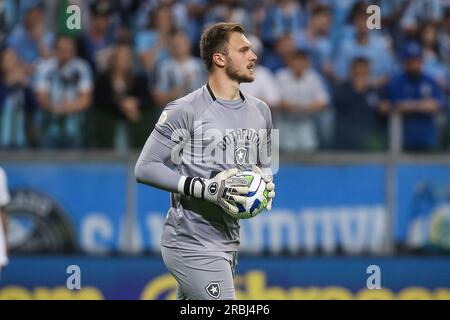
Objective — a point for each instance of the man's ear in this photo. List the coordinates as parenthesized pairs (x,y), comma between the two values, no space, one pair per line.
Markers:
(219,60)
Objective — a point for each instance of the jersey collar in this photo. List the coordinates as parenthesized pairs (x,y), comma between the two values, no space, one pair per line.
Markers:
(214,97)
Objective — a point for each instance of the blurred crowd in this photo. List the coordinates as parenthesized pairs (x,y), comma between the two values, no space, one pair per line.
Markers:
(330,80)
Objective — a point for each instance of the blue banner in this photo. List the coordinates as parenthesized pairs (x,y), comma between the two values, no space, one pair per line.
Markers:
(61,208)
(317,209)
(257,278)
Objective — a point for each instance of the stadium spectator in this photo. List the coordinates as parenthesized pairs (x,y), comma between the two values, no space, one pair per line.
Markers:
(333,33)
(17,103)
(365,43)
(29,39)
(179,74)
(189,16)
(123,110)
(444,39)
(303,96)
(257,11)
(419,98)
(315,38)
(128,13)
(228,11)
(340,10)
(8,14)
(444,53)
(391,13)
(264,86)
(359,123)
(64,89)
(95,45)
(284,48)
(432,62)
(152,44)
(283,17)
(419,13)
(424,11)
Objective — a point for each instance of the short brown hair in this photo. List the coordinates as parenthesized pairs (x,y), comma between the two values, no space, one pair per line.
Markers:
(215,39)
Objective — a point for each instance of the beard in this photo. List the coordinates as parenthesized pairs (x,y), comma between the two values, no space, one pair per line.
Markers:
(233,73)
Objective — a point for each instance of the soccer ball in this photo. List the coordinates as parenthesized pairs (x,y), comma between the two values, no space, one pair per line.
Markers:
(257,195)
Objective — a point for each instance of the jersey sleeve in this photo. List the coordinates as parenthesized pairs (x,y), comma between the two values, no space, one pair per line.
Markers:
(174,125)
(154,166)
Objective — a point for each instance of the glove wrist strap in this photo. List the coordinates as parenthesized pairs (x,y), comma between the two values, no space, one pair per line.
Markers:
(195,187)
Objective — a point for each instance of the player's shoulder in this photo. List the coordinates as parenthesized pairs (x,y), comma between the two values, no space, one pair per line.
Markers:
(258,104)
(192,103)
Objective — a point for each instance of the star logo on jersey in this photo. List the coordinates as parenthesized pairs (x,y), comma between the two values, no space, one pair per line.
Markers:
(213,289)
(240,155)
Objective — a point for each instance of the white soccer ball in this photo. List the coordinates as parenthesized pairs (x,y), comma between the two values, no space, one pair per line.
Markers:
(257,195)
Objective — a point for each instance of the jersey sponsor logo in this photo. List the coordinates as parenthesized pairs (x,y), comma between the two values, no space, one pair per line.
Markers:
(213,289)
(213,147)
(38,224)
(212,189)
(241,136)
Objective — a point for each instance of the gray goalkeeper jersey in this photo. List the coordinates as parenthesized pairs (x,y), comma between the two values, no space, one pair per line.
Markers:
(206,135)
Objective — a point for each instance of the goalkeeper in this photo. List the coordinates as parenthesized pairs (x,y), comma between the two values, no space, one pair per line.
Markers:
(201,234)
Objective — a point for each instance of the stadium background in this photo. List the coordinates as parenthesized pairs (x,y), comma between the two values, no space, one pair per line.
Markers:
(341,206)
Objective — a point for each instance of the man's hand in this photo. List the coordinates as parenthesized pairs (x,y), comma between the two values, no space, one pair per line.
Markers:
(270,186)
(224,189)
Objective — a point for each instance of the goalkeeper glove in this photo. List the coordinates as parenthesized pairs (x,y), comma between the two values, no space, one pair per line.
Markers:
(270,186)
(224,190)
